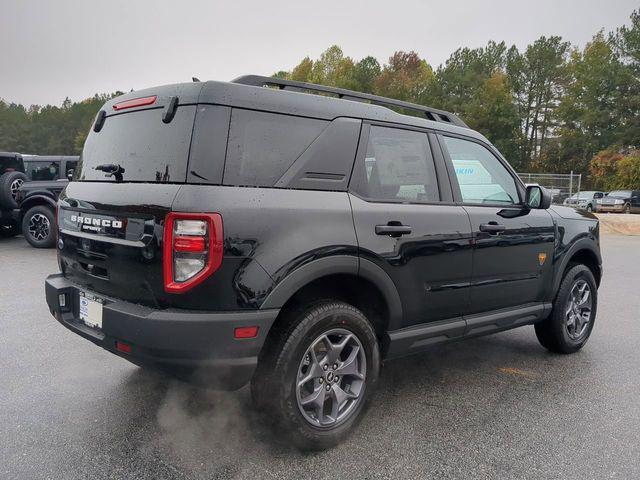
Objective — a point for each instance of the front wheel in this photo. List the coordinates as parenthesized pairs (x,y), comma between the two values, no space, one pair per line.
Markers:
(571,321)
(627,208)
(38,227)
(319,374)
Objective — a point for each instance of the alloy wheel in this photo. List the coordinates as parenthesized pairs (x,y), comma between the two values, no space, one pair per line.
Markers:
(39,227)
(578,311)
(331,378)
(15,186)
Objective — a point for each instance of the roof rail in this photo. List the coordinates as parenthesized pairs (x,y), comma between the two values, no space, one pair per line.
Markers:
(430,113)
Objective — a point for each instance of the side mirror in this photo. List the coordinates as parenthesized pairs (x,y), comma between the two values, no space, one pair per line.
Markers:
(70,174)
(537,197)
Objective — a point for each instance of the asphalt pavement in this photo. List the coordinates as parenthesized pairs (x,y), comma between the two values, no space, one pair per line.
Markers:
(495,407)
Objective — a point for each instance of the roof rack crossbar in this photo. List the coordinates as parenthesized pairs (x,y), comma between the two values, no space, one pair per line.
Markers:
(430,113)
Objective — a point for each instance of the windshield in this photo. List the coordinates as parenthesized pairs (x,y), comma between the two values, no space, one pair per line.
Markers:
(620,194)
(143,147)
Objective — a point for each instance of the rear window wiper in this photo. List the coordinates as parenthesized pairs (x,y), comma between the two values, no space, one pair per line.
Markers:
(111,170)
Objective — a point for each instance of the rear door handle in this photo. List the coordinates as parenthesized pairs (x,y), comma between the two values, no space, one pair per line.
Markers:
(393,230)
(492,228)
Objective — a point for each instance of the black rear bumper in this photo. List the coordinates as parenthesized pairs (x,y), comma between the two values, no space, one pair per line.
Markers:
(196,346)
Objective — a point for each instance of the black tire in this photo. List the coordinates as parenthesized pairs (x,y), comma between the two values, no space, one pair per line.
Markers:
(274,384)
(627,208)
(39,226)
(553,333)
(9,183)
(589,208)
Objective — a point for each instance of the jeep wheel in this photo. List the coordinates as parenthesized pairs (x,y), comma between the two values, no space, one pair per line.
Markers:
(319,374)
(571,321)
(38,227)
(589,208)
(10,182)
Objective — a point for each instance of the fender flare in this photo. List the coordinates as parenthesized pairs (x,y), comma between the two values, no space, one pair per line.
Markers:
(581,244)
(339,264)
(38,199)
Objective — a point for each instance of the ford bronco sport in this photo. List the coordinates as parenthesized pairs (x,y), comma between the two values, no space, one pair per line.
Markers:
(257,232)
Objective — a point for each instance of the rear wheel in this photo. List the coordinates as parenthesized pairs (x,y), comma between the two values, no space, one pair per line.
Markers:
(38,227)
(571,321)
(319,374)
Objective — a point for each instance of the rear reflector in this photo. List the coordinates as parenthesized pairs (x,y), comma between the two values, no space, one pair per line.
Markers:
(123,347)
(189,244)
(245,332)
(135,102)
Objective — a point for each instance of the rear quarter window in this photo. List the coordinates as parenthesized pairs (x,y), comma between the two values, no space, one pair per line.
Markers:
(262,146)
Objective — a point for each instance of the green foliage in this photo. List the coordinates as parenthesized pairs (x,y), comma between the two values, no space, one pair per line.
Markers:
(48,130)
(538,76)
(405,77)
(612,169)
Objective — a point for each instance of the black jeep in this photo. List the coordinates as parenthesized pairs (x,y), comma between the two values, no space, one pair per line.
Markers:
(255,231)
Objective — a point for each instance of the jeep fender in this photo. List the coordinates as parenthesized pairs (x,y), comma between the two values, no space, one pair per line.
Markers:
(37,199)
(339,264)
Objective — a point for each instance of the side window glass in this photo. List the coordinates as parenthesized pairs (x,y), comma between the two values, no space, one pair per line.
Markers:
(43,170)
(398,166)
(481,176)
(262,146)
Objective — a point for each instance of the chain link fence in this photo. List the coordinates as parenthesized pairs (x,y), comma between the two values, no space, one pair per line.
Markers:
(561,185)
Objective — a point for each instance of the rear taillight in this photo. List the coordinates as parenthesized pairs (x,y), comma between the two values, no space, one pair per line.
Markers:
(192,249)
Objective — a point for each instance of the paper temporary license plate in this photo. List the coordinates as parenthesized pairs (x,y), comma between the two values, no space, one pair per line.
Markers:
(90,309)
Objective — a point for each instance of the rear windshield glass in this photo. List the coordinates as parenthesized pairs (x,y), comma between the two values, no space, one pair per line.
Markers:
(262,146)
(139,142)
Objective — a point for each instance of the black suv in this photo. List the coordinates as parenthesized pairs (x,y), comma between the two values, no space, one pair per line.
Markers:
(254,231)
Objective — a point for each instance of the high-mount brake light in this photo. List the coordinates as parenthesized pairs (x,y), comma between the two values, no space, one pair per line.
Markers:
(136,102)
(192,249)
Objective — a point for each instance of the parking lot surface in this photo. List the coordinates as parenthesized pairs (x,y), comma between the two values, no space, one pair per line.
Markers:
(494,407)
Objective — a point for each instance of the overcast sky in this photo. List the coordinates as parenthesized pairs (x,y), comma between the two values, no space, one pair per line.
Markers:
(53,49)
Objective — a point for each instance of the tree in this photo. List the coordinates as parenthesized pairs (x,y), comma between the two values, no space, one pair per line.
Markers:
(592,109)
(626,41)
(493,113)
(464,73)
(333,69)
(365,73)
(405,77)
(302,71)
(538,77)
